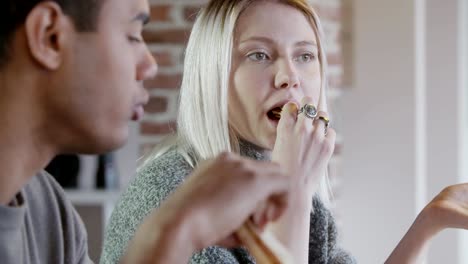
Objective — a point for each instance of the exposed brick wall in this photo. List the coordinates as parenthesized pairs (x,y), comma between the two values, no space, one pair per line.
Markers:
(167,35)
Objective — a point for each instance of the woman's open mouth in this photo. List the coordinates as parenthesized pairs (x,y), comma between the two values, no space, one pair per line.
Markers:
(274,114)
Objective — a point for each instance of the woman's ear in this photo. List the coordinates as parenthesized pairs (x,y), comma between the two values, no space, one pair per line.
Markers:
(47,30)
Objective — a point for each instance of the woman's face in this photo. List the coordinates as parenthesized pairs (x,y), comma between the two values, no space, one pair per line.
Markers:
(274,60)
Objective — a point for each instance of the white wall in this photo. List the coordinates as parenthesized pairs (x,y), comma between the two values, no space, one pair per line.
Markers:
(463,77)
(377,195)
(445,114)
(402,123)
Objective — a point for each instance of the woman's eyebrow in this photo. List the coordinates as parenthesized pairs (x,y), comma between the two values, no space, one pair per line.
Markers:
(270,41)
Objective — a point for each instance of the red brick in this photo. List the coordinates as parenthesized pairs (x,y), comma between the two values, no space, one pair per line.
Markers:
(152,128)
(161,13)
(165,81)
(164,59)
(167,36)
(190,13)
(156,105)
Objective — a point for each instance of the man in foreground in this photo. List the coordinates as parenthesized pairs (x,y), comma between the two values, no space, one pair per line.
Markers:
(71,78)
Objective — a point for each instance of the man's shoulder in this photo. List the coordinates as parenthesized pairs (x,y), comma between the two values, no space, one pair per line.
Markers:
(43,179)
(46,199)
(43,188)
(53,222)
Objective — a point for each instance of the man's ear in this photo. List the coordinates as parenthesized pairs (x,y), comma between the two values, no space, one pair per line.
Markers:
(47,29)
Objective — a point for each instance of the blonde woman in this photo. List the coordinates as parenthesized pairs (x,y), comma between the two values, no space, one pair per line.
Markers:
(244,61)
(254,84)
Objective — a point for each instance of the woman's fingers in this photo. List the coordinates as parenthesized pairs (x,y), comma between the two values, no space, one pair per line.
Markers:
(288,117)
(305,118)
(304,141)
(324,134)
(329,144)
(321,124)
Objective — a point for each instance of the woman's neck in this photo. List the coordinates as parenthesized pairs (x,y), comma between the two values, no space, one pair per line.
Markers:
(248,149)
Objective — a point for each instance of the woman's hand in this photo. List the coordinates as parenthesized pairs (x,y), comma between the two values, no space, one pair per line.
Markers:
(303,147)
(449,209)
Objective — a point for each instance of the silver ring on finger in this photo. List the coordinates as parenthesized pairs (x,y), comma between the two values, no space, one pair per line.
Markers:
(309,111)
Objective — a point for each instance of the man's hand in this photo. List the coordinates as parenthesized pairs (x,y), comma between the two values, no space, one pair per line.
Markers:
(207,209)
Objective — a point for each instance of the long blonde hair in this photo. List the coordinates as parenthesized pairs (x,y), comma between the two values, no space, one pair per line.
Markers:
(203,129)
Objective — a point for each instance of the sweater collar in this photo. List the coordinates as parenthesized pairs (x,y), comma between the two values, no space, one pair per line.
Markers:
(248,149)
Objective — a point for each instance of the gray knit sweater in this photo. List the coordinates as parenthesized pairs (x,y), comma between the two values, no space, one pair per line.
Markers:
(160,177)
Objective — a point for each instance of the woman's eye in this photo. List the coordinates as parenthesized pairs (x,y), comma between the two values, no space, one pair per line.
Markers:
(307,57)
(258,56)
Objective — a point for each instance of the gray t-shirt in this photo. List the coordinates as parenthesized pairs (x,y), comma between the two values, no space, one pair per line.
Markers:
(43,227)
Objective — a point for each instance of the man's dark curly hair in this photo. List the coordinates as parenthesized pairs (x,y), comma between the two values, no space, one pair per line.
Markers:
(13,13)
